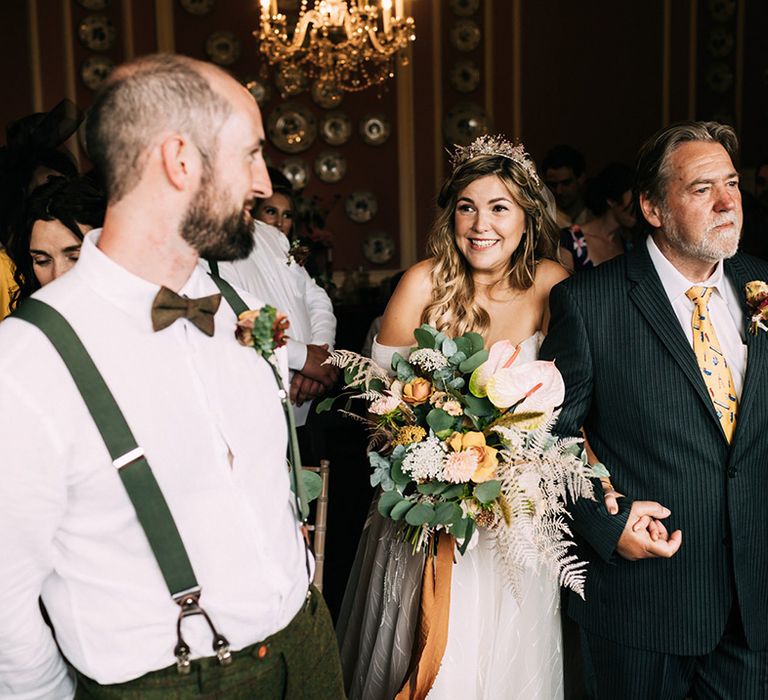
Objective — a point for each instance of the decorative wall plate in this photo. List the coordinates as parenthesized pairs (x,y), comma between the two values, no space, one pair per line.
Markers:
(465,35)
(94,5)
(336,128)
(326,95)
(223,48)
(378,247)
(330,166)
(720,77)
(97,33)
(464,8)
(361,206)
(720,42)
(292,127)
(290,80)
(465,76)
(465,122)
(94,71)
(374,129)
(297,172)
(197,7)
(260,90)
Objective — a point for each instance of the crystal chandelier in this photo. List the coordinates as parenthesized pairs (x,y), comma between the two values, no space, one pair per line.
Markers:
(343,46)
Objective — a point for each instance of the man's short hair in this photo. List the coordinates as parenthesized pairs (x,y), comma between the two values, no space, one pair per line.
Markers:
(652,170)
(564,156)
(141,100)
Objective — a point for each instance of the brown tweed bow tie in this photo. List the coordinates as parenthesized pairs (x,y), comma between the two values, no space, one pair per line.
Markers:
(169,306)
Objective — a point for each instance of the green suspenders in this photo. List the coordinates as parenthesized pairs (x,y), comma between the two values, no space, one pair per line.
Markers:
(133,468)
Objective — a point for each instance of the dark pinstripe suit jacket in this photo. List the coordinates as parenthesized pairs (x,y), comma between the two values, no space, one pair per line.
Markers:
(633,383)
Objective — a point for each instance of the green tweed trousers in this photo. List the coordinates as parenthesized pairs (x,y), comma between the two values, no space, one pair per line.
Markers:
(300,662)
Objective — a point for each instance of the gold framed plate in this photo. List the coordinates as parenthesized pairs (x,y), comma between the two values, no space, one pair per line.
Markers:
(336,128)
(464,123)
(379,247)
(375,129)
(260,90)
(325,94)
(292,127)
(197,7)
(94,71)
(297,172)
(223,48)
(290,80)
(97,33)
(465,35)
(361,206)
(465,76)
(330,166)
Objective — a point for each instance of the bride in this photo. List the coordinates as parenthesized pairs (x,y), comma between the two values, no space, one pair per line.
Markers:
(493,249)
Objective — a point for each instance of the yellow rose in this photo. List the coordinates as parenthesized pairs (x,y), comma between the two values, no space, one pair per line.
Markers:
(417,391)
(474,442)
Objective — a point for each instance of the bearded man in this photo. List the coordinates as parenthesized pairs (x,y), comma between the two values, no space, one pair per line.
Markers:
(670,387)
(148,502)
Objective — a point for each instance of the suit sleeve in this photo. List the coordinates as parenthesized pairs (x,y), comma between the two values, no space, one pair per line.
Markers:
(567,343)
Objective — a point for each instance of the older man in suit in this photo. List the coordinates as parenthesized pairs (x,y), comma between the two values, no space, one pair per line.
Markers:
(669,387)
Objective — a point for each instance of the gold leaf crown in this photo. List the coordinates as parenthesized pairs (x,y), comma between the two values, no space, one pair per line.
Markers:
(488,145)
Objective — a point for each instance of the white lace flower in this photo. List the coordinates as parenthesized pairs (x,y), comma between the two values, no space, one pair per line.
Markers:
(424,460)
(428,360)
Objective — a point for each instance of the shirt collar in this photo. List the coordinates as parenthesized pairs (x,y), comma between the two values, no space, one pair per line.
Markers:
(674,282)
(128,292)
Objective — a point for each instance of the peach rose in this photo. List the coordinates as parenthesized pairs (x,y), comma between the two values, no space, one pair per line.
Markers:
(487,459)
(417,391)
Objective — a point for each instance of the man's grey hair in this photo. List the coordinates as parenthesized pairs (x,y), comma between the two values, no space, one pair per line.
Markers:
(141,100)
(652,171)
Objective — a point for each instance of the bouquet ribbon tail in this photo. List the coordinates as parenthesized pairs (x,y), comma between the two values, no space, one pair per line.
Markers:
(433,622)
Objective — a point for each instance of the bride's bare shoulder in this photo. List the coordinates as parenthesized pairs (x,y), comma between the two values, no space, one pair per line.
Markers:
(403,313)
(548,274)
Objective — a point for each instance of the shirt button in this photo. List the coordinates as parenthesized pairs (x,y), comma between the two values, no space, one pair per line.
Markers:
(732,473)
(262,652)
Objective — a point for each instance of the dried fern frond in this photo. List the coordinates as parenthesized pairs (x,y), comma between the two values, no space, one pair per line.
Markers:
(363,370)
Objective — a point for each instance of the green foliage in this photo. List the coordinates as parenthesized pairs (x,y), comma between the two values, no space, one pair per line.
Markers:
(424,338)
(447,514)
(482,408)
(439,421)
(420,514)
(473,361)
(400,509)
(387,501)
(313,484)
(488,491)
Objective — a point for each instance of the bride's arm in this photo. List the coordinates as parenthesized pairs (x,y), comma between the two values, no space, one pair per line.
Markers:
(403,312)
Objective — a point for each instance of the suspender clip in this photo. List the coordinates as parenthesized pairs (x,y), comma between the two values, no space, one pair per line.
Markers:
(189,602)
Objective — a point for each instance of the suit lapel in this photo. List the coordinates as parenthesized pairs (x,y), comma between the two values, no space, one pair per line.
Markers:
(756,344)
(648,295)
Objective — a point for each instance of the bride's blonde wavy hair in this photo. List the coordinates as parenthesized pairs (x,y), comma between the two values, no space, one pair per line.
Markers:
(453,308)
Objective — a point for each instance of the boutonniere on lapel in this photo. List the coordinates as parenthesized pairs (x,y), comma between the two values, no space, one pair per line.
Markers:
(756,293)
(262,329)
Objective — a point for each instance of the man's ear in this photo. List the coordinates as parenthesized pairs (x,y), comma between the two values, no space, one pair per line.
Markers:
(180,161)
(651,211)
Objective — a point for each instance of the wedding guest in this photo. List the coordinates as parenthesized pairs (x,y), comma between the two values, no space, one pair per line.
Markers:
(58,214)
(609,198)
(564,173)
(678,417)
(125,555)
(279,210)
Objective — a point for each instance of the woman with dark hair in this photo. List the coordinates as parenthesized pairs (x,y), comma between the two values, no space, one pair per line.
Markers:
(279,210)
(493,248)
(609,197)
(58,214)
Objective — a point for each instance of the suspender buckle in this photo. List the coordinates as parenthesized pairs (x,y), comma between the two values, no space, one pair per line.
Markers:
(183,664)
(189,602)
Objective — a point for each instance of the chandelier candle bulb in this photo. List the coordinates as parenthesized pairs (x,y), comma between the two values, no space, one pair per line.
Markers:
(399,12)
(386,13)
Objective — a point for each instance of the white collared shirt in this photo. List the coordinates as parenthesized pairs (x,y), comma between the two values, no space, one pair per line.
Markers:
(266,274)
(207,414)
(725,310)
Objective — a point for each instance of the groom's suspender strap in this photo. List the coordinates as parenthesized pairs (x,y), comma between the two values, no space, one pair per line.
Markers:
(127,457)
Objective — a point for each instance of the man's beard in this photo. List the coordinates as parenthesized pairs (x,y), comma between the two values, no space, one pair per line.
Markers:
(215,235)
(712,247)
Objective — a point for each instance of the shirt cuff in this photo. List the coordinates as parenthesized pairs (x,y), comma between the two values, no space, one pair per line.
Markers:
(297,354)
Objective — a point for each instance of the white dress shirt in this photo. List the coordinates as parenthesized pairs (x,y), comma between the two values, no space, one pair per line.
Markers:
(289,288)
(207,413)
(725,310)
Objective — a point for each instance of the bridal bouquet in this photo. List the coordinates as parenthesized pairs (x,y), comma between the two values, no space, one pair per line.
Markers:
(461,438)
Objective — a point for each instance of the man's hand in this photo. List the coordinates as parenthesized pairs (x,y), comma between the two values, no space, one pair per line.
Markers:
(610,496)
(315,369)
(644,537)
(304,389)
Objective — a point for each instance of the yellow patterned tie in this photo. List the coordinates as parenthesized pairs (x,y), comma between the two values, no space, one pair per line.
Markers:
(712,362)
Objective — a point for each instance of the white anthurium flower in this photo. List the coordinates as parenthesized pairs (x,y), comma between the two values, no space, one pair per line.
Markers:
(502,354)
(536,386)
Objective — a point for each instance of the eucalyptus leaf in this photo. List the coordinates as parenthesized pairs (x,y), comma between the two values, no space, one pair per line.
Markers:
(439,338)
(424,338)
(464,345)
(477,341)
(397,474)
(474,361)
(459,528)
(325,405)
(456,383)
(457,358)
(430,329)
(397,358)
(479,407)
(467,536)
(599,470)
(488,491)
(453,491)
(447,514)
(387,501)
(313,484)
(400,509)
(420,514)
(405,372)
(439,420)
(449,347)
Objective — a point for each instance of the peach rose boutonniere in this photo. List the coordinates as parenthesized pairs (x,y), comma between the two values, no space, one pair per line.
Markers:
(263,329)
(756,293)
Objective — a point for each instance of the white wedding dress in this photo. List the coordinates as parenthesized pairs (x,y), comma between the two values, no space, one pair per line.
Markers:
(498,648)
